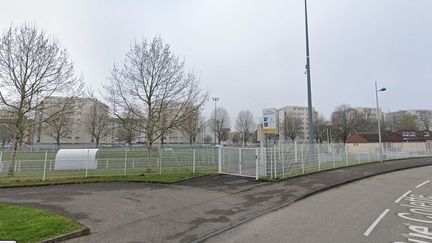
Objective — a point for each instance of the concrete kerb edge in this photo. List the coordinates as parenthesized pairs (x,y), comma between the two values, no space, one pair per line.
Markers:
(96,182)
(252,217)
(75,234)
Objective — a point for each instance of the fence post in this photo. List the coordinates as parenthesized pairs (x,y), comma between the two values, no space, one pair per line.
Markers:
(271,163)
(160,151)
(295,151)
(303,166)
(358,156)
(193,162)
(319,157)
(1,162)
(219,159)
(256,164)
(283,159)
(133,163)
(107,164)
(346,154)
(274,162)
(302,159)
(240,161)
(125,163)
(45,165)
(333,155)
(86,169)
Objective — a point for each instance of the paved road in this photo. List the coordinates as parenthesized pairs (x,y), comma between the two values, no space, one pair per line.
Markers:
(188,211)
(351,213)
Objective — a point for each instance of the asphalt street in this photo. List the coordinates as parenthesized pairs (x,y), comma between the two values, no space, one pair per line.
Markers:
(351,213)
(198,209)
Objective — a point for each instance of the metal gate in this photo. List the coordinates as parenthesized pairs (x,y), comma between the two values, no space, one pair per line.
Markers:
(239,161)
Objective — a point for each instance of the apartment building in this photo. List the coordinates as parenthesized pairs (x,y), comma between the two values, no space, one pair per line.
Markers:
(297,112)
(79,121)
(369,113)
(423,118)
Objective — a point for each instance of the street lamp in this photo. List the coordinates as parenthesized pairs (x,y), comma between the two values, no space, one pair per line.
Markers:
(379,119)
(215,99)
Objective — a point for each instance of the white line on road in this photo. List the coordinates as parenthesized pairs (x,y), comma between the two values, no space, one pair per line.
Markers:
(374,224)
(423,183)
(400,198)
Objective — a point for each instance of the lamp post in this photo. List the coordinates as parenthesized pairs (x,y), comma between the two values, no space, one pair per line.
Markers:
(215,99)
(379,119)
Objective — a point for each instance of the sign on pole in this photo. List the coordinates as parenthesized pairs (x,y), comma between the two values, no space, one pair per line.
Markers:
(269,121)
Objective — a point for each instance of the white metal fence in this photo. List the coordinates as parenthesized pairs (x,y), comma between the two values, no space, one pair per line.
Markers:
(279,160)
(282,160)
(41,165)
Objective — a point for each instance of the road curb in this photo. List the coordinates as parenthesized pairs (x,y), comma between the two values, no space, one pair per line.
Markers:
(78,233)
(310,193)
(95,182)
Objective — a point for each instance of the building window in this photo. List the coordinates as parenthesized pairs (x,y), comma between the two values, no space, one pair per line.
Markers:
(405,134)
(412,134)
(427,134)
(76,138)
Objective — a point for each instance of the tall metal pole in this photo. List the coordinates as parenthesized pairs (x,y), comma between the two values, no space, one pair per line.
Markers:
(310,118)
(379,123)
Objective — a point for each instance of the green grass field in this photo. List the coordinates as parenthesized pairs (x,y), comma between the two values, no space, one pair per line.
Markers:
(24,224)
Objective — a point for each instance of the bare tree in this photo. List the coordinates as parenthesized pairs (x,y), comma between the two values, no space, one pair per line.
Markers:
(236,137)
(344,121)
(408,122)
(192,126)
(32,69)
(153,82)
(245,125)
(425,117)
(220,124)
(6,135)
(320,128)
(291,126)
(129,127)
(59,123)
(367,123)
(98,122)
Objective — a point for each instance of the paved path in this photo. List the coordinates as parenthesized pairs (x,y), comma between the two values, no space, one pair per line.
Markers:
(362,211)
(185,212)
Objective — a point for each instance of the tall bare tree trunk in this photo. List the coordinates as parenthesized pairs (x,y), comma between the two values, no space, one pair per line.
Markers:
(11,171)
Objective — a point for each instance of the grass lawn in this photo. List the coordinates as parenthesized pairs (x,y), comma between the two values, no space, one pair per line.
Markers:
(143,177)
(25,224)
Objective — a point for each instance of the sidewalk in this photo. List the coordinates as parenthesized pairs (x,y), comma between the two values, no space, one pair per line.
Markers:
(190,211)
(270,197)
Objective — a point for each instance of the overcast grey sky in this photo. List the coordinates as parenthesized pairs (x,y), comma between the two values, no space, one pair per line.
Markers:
(251,53)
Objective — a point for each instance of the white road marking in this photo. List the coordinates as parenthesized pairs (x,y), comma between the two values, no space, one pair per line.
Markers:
(400,198)
(374,224)
(423,183)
